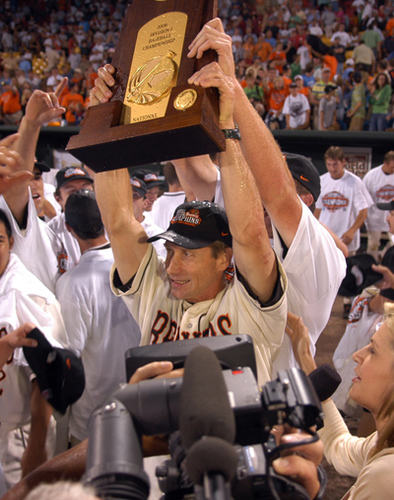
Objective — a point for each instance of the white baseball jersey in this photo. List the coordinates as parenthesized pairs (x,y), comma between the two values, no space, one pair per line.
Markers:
(163,318)
(100,330)
(58,226)
(164,207)
(315,268)
(381,188)
(37,246)
(360,327)
(152,229)
(23,298)
(340,202)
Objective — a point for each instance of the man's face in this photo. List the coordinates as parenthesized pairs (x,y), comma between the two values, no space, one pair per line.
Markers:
(139,204)
(325,76)
(5,248)
(390,220)
(335,167)
(151,197)
(388,167)
(195,275)
(37,191)
(70,188)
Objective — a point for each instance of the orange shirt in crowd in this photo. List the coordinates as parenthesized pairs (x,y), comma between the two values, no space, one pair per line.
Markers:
(304,91)
(279,59)
(10,102)
(332,63)
(276,99)
(390,27)
(67,102)
(263,50)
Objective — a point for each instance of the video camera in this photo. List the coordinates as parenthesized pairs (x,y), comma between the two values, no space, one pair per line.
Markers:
(154,407)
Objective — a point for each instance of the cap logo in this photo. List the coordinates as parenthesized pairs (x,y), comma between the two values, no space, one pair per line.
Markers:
(136,183)
(150,177)
(74,171)
(190,217)
(304,178)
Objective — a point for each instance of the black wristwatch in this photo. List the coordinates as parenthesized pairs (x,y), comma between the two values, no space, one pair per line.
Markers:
(232,133)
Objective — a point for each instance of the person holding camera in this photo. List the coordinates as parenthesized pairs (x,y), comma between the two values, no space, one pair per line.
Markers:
(371,459)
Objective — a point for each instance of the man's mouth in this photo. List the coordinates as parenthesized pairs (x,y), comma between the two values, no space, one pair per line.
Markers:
(36,196)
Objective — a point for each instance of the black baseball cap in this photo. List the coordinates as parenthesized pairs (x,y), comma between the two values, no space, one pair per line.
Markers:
(82,213)
(386,206)
(43,167)
(60,374)
(197,224)
(304,171)
(139,186)
(68,174)
(148,176)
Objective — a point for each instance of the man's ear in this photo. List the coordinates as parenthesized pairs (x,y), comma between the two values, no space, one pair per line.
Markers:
(307,199)
(69,229)
(11,242)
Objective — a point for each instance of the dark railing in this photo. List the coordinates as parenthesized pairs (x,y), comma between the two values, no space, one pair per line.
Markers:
(310,143)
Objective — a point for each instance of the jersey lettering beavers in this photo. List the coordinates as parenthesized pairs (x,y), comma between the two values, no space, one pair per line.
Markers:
(165,329)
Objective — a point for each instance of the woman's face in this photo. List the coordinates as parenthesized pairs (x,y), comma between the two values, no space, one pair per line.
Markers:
(374,379)
(381,80)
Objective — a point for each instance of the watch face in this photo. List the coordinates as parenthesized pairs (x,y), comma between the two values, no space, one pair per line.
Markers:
(232,133)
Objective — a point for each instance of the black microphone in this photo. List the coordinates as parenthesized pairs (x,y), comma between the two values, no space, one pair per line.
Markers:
(211,462)
(325,381)
(204,404)
(207,425)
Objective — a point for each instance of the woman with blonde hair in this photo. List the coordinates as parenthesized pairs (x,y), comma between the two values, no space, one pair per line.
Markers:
(370,459)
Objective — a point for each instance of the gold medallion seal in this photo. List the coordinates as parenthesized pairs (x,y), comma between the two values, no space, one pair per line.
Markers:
(185,99)
(153,80)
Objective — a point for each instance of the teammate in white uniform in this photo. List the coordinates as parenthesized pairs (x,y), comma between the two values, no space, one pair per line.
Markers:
(139,204)
(68,181)
(100,327)
(38,247)
(380,184)
(344,201)
(164,207)
(23,299)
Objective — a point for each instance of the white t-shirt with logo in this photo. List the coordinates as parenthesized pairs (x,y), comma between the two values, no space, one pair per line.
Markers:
(381,188)
(340,202)
(296,107)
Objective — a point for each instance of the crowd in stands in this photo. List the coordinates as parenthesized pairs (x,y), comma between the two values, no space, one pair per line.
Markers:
(337,56)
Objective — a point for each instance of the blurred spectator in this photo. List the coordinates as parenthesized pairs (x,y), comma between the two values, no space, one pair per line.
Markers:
(254,92)
(74,104)
(357,110)
(296,109)
(328,110)
(10,105)
(379,102)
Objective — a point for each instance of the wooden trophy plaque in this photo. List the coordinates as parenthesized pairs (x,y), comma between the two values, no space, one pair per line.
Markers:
(154,114)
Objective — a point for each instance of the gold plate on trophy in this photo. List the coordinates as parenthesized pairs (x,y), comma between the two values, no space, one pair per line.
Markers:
(154,69)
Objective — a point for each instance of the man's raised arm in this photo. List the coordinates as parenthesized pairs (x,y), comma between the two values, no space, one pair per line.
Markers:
(41,108)
(253,254)
(127,236)
(262,153)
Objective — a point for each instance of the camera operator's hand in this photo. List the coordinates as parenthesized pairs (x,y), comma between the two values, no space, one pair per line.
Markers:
(155,445)
(157,369)
(301,462)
